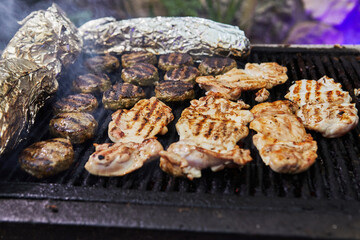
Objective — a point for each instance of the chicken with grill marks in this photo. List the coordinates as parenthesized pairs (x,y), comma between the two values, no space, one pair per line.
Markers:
(209,131)
(281,138)
(324,106)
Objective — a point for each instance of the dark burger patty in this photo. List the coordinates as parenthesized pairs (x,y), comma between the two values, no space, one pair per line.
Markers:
(174,91)
(122,95)
(100,64)
(184,74)
(216,65)
(91,83)
(130,59)
(78,127)
(46,158)
(174,60)
(143,74)
(82,102)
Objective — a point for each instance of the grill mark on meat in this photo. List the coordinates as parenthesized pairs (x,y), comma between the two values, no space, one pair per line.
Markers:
(199,126)
(308,86)
(211,126)
(297,87)
(147,116)
(66,144)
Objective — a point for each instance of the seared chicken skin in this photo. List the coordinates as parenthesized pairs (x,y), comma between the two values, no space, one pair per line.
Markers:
(253,77)
(209,131)
(281,138)
(324,106)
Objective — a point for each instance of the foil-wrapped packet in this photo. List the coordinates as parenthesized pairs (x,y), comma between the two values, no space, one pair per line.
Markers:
(161,35)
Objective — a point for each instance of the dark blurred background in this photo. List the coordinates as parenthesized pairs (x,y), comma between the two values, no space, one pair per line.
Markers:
(264,21)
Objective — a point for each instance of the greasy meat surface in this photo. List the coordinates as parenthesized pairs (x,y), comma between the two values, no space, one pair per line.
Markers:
(184,74)
(209,131)
(146,119)
(100,64)
(253,77)
(174,91)
(281,138)
(81,102)
(78,127)
(122,95)
(118,159)
(324,106)
(130,59)
(143,74)
(46,158)
(262,95)
(91,83)
(174,60)
(216,65)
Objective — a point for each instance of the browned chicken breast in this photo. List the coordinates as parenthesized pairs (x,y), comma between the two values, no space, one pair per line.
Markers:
(174,60)
(78,127)
(100,64)
(184,74)
(146,119)
(118,159)
(142,74)
(253,77)
(122,95)
(130,59)
(46,158)
(81,102)
(262,95)
(209,131)
(174,91)
(324,106)
(216,65)
(91,83)
(281,138)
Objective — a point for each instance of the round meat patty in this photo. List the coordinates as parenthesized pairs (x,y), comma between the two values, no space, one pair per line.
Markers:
(216,65)
(91,83)
(142,74)
(174,60)
(174,91)
(184,74)
(100,64)
(82,102)
(130,59)
(46,158)
(78,127)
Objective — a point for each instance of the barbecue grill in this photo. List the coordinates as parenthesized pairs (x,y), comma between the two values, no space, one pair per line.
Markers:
(253,202)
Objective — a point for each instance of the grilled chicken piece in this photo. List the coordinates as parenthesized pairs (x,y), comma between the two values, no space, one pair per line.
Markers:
(78,127)
(184,74)
(130,59)
(100,64)
(209,131)
(122,95)
(174,91)
(324,106)
(253,77)
(46,158)
(216,65)
(143,74)
(174,60)
(262,95)
(119,159)
(91,83)
(281,138)
(146,119)
(81,102)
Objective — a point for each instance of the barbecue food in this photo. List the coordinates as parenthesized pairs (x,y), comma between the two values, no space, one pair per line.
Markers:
(130,59)
(143,74)
(262,95)
(209,131)
(281,138)
(122,95)
(174,91)
(78,127)
(174,60)
(184,74)
(46,158)
(81,102)
(118,159)
(216,65)
(101,64)
(91,83)
(146,119)
(253,77)
(324,106)
(162,35)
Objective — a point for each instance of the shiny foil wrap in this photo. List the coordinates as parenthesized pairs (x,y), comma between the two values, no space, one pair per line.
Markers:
(161,35)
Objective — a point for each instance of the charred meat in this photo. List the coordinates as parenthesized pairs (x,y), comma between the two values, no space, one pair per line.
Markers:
(101,64)
(130,59)
(143,74)
(216,65)
(91,83)
(78,127)
(184,74)
(122,95)
(174,91)
(82,102)
(174,60)
(46,158)
(262,95)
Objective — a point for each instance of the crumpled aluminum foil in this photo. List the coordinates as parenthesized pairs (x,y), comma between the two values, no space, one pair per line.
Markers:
(161,35)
